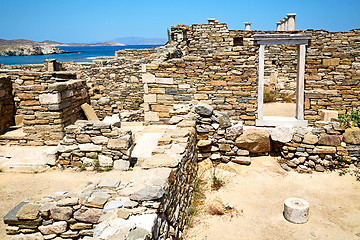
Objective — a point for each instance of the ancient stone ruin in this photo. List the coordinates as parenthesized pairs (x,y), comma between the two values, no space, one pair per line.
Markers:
(203,96)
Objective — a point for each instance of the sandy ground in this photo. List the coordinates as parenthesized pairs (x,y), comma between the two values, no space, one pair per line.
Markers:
(279,109)
(17,187)
(258,193)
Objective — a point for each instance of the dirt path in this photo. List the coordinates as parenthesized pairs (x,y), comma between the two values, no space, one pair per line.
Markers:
(279,109)
(259,192)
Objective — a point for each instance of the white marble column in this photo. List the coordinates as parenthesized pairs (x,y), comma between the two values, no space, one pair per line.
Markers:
(278,26)
(291,21)
(282,25)
(300,82)
(261,82)
(247,26)
(286,24)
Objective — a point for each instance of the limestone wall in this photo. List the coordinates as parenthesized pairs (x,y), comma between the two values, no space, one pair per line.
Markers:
(148,202)
(324,146)
(219,67)
(48,108)
(7,110)
(95,145)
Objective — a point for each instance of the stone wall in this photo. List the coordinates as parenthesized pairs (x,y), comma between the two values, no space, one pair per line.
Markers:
(7,110)
(95,145)
(173,208)
(324,146)
(148,202)
(219,67)
(48,108)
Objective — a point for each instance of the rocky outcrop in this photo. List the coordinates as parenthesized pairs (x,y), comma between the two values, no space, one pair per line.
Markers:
(25,50)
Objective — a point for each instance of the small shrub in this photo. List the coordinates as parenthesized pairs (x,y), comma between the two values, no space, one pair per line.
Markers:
(351,119)
(107,168)
(269,96)
(82,167)
(197,201)
(216,183)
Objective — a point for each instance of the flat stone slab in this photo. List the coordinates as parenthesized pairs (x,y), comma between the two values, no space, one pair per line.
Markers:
(108,183)
(148,193)
(89,112)
(28,212)
(159,161)
(325,149)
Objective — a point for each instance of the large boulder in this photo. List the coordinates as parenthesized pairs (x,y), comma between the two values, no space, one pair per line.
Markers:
(254,140)
(352,135)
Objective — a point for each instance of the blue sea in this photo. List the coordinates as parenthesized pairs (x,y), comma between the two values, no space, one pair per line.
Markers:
(76,57)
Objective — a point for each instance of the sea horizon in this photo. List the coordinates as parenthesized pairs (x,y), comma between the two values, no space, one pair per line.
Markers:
(78,54)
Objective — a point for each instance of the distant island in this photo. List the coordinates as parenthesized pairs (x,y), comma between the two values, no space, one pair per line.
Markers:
(4,42)
(23,47)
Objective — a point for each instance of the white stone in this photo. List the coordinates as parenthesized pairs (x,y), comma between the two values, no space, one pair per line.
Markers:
(50,156)
(164,80)
(105,161)
(282,134)
(296,210)
(113,205)
(151,117)
(145,221)
(50,98)
(121,165)
(148,78)
(184,86)
(150,98)
(114,120)
(89,147)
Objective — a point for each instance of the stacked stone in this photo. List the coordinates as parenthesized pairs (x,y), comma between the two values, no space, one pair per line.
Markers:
(172,213)
(151,204)
(113,89)
(7,110)
(332,73)
(99,211)
(96,145)
(219,67)
(324,146)
(48,108)
(216,135)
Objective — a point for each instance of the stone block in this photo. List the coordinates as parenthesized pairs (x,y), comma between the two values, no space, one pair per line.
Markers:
(164,80)
(120,143)
(148,78)
(352,135)
(89,147)
(121,165)
(254,140)
(150,98)
(151,117)
(88,215)
(324,150)
(28,212)
(105,161)
(50,98)
(89,112)
(327,115)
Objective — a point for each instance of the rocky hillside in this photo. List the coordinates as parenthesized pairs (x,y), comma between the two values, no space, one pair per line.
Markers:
(27,50)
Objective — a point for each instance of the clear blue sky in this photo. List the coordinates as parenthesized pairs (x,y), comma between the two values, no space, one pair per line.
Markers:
(105,20)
